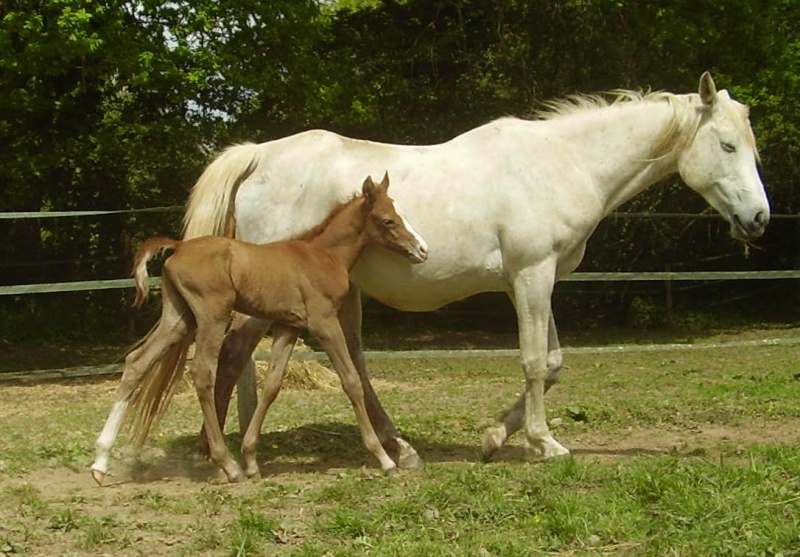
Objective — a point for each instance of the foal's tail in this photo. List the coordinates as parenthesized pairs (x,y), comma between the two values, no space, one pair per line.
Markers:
(150,249)
(149,402)
(209,211)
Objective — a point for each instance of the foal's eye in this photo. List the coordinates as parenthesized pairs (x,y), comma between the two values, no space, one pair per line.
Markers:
(388,223)
(727,147)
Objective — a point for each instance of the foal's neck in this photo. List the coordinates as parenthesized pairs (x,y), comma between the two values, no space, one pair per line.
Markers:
(343,237)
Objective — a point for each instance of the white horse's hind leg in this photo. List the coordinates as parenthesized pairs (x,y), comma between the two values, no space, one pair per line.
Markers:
(529,408)
(350,319)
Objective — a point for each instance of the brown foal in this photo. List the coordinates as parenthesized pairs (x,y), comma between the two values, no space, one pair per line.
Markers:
(296,284)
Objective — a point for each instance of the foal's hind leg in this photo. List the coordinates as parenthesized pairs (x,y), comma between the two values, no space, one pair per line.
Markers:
(237,347)
(330,335)
(210,332)
(283,341)
(350,319)
(170,330)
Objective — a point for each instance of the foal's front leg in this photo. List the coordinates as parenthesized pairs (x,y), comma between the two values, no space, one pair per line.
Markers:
(330,335)
(350,319)
(283,341)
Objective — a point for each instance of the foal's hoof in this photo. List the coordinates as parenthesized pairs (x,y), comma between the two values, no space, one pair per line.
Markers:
(98,476)
(391,471)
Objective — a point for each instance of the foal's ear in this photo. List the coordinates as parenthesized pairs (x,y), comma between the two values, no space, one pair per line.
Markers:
(369,190)
(385,181)
(708,91)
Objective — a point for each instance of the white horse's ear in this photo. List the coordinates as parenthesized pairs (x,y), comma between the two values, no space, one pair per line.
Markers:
(369,189)
(385,181)
(708,91)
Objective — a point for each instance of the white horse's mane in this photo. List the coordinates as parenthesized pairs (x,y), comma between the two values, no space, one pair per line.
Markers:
(586,102)
(679,131)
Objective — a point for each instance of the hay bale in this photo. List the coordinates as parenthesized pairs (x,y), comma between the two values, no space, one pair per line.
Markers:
(303,375)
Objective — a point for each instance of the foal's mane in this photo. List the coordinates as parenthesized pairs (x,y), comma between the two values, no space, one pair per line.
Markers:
(315,231)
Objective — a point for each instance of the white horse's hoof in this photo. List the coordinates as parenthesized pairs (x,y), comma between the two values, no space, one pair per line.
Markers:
(410,462)
(493,440)
(407,457)
(545,448)
(98,476)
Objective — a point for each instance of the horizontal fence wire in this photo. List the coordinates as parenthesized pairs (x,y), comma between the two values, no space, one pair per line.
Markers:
(61,214)
(177,208)
(116,369)
(574,277)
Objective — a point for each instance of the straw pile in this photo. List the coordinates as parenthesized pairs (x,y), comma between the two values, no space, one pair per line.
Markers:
(303,375)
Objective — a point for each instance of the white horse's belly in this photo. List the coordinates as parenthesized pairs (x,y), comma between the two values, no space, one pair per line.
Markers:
(393,281)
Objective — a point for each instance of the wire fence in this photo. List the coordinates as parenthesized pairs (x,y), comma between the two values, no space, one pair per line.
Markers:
(664,276)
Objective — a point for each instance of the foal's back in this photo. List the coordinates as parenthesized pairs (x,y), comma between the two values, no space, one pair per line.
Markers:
(276,281)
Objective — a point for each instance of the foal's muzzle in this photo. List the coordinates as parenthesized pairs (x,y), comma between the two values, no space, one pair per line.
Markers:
(418,255)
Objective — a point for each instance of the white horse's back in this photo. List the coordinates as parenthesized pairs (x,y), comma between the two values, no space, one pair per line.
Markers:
(446,189)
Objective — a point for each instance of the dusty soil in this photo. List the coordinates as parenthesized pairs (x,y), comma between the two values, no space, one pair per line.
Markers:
(184,472)
(178,474)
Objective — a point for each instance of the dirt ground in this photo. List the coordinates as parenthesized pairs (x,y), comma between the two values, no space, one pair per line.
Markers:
(176,474)
(179,473)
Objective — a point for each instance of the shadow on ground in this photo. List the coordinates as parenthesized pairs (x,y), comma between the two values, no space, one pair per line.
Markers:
(326,447)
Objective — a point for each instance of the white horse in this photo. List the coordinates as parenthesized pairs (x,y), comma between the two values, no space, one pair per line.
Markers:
(528,196)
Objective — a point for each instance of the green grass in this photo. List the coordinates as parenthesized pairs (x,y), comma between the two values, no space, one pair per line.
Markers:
(675,454)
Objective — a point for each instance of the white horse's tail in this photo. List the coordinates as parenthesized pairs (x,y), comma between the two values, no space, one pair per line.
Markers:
(149,249)
(209,210)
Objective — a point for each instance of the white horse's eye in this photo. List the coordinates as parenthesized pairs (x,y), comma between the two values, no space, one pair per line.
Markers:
(727,147)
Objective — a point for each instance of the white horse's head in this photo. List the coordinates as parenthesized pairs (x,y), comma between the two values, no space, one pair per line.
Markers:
(720,163)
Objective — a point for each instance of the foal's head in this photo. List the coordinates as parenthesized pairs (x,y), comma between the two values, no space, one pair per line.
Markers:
(386,226)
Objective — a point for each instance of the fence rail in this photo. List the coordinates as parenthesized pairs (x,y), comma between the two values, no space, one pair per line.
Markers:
(115,369)
(109,284)
(574,277)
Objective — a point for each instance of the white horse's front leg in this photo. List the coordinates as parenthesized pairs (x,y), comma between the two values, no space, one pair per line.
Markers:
(542,360)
